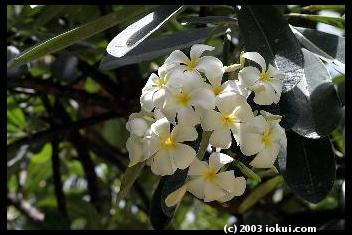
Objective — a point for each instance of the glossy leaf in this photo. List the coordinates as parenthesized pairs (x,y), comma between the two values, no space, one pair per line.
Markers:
(329,47)
(134,34)
(209,20)
(156,47)
(161,215)
(77,34)
(44,154)
(308,167)
(312,108)
(258,193)
(334,21)
(264,30)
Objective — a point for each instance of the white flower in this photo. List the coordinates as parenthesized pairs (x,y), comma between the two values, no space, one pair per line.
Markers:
(267,83)
(185,102)
(156,89)
(264,138)
(138,123)
(233,111)
(209,184)
(134,146)
(197,64)
(166,149)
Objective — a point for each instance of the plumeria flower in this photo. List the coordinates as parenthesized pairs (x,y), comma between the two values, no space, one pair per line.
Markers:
(266,84)
(196,64)
(165,148)
(185,102)
(138,125)
(209,184)
(156,89)
(264,138)
(233,112)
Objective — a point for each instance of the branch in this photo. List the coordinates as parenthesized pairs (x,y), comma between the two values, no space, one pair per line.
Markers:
(32,213)
(59,131)
(48,87)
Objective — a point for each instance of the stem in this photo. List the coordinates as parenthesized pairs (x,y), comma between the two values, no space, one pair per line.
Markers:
(203,144)
(243,168)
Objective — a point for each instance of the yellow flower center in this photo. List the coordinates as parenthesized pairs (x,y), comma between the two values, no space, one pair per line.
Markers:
(227,120)
(161,82)
(169,143)
(209,175)
(183,98)
(267,139)
(192,64)
(264,76)
(217,90)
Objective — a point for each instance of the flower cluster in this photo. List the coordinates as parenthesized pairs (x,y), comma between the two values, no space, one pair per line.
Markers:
(189,92)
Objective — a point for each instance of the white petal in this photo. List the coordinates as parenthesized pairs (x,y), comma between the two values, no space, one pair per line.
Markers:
(266,96)
(137,126)
(211,66)
(162,163)
(218,160)
(183,155)
(198,49)
(243,113)
(158,114)
(236,87)
(277,85)
(188,117)
(221,138)
(197,167)
(236,132)
(196,187)
(176,57)
(256,57)
(135,151)
(203,98)
(227,102)
(240,185)
(266,157)
(170,114)
(255,125)
(175,78)
(146,101)
(226,181)
(161,128)
(277,132)
(182,133)
(151,144)
(212,192)
(159,98)
(273,71)
(248,76)
(175,197)
(251,143)
(211,120)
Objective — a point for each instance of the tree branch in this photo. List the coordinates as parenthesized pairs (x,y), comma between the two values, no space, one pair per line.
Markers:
(48,87)
(32,213)
(61,131)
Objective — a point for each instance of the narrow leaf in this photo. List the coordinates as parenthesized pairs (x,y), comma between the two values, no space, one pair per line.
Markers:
(129,177)
(264,30)
(314,160)
(140,30)
(209,20)
(261,191)
(156,47)
(334,21)
(77,34)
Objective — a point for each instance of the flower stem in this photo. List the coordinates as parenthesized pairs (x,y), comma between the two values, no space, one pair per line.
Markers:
(203,144)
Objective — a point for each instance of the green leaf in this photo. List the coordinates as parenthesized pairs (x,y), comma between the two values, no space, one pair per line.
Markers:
(308,167)
(141,29)
(338,8)
(334,21)
(128,178)
(160,215)
(16,119)
(312,108)
(329,47)
(44,154)
(47,14)
(265,31)
(156,47)
(208,20)
(77,34)
(258,193)
(91,86)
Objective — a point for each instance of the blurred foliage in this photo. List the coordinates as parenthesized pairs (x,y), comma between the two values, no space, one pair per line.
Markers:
(72,176)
